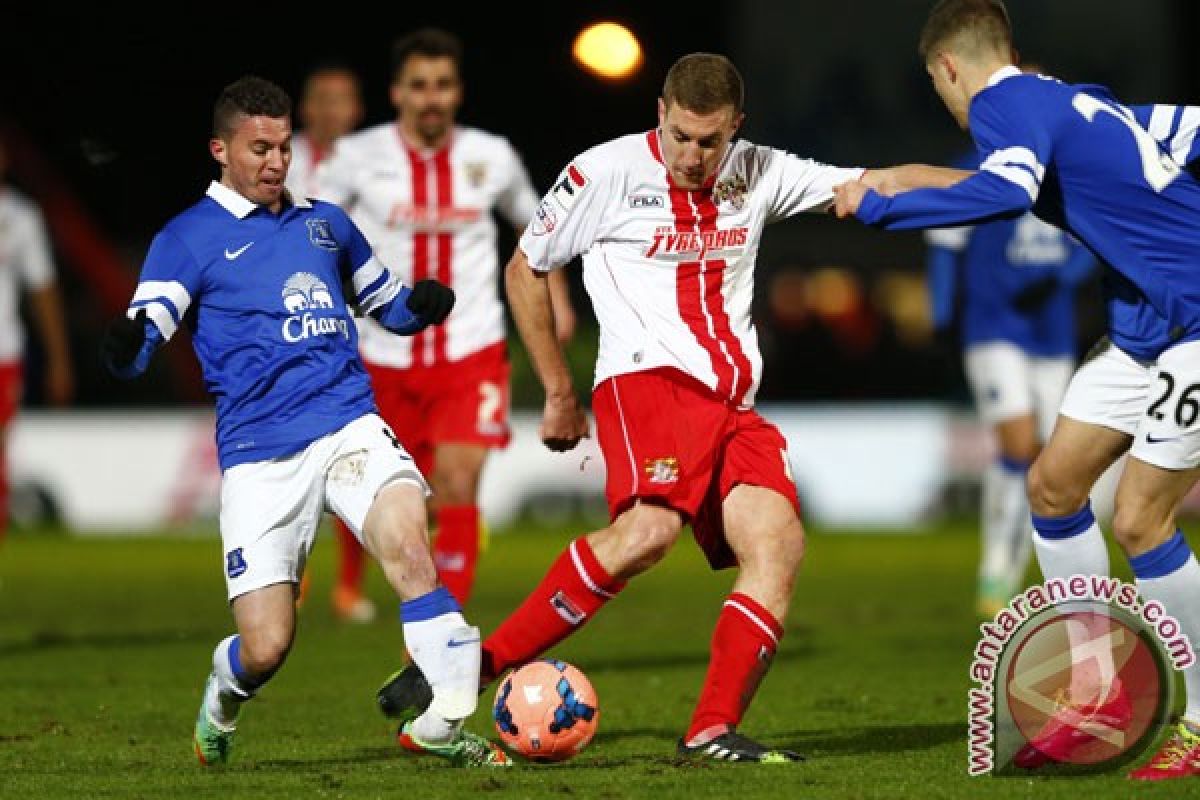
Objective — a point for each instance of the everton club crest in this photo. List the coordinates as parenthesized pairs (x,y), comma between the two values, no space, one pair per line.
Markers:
(731,190)
(320,233)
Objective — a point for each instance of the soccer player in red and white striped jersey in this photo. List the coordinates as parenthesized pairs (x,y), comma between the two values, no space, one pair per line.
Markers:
(668,223)
(423,190)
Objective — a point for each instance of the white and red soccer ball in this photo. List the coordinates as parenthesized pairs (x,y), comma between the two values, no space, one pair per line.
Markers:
(546,711)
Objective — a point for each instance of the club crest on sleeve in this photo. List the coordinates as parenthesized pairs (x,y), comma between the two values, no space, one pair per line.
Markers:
(235,563)
(320,233)
(544,220)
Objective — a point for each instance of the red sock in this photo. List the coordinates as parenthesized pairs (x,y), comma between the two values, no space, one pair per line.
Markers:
(456,549)
(351,558)
(573,590)
(743,644)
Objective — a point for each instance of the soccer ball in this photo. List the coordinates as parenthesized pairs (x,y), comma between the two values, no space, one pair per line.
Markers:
(546,711)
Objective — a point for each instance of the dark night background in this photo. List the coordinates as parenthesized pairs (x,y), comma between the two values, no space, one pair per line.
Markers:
(114,108)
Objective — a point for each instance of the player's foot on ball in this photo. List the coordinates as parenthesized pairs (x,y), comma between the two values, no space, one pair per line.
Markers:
(733,746)
(211,742)
(1074,725)
(466,750)
(351,605)
(405,694)
(1179,757)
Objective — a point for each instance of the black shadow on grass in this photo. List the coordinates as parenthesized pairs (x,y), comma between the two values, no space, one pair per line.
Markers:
(877,739)
(365,755)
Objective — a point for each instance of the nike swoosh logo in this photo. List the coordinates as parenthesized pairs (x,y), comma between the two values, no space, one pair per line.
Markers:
(230,255)
(461,642)
(1151,440)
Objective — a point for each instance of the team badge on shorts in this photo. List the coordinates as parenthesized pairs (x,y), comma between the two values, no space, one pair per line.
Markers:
(235,564)
(662,470)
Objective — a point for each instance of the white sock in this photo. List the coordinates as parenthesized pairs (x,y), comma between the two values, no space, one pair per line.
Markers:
(224,696)
(448,652)
(1169,574)
(1074,545)
(1006,544)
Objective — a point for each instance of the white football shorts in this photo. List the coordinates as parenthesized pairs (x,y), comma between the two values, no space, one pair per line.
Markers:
(1157,403)
(271,510)
(1008,382)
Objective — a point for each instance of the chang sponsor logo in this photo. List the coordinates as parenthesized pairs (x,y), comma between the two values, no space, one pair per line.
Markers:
(306,297)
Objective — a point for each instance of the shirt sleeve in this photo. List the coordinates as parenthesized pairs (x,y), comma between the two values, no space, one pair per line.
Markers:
(801,184)
(374,284)
(171,279)
(1014,148)
(1174,127)
(518,201)
(569,218)
(33,253)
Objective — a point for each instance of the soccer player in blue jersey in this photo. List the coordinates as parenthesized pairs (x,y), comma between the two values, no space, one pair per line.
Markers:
(1079,158)
(1008,286)
(256,275)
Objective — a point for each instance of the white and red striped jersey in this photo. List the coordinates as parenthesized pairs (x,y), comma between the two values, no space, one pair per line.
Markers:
(429,215)
(25,261)
(302,174)
(670,271)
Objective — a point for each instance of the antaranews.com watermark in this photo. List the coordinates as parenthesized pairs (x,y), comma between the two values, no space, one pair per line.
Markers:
(1024,660)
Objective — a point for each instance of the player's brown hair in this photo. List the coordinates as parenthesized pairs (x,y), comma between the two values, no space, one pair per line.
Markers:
(975,26)
(252,96)
(704,83)
(427,42)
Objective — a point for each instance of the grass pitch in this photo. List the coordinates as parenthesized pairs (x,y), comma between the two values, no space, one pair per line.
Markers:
(105,643)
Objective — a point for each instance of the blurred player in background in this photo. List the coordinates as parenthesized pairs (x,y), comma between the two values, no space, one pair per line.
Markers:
(1114,177)
(668,222)
(1008,288)
(423,190)
(257,275)
(26,263)
(330,107)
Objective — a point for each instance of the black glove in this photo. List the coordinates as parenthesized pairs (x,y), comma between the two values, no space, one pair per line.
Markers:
(1031,299)
(431,301)
(123,340)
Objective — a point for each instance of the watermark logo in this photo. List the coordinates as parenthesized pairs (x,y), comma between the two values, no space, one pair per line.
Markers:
(1076,671)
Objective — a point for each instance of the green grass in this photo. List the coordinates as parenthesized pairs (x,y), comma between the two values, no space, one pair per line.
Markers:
(104,645)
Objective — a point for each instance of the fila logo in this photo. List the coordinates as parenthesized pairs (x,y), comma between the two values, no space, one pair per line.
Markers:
(562,606)
(230,255)
(646,201)
(566,191)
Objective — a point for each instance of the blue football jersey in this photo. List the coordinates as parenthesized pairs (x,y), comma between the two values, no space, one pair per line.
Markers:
(262,295)
(978,274)
(1081,160)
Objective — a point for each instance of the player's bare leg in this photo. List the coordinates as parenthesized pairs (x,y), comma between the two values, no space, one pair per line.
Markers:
(455,482)
(1069,542)
(1148,500)
(767,538)
(438,639)
(1006,539)
(266,624)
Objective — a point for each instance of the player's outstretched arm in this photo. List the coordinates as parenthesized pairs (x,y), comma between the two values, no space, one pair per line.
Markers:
(888,181)
(564,422)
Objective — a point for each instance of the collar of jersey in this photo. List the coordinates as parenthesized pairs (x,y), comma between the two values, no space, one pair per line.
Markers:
(1001,74)
(239,206)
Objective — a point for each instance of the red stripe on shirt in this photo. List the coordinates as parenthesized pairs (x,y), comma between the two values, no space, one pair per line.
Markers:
(445,243)
(690,288)
(714,300)
(420,201)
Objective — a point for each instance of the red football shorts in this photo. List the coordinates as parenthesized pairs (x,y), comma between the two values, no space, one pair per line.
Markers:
(668,439)
(459,402)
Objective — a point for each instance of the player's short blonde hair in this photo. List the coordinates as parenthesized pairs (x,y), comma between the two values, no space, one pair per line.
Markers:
(704,83)
(971,27)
